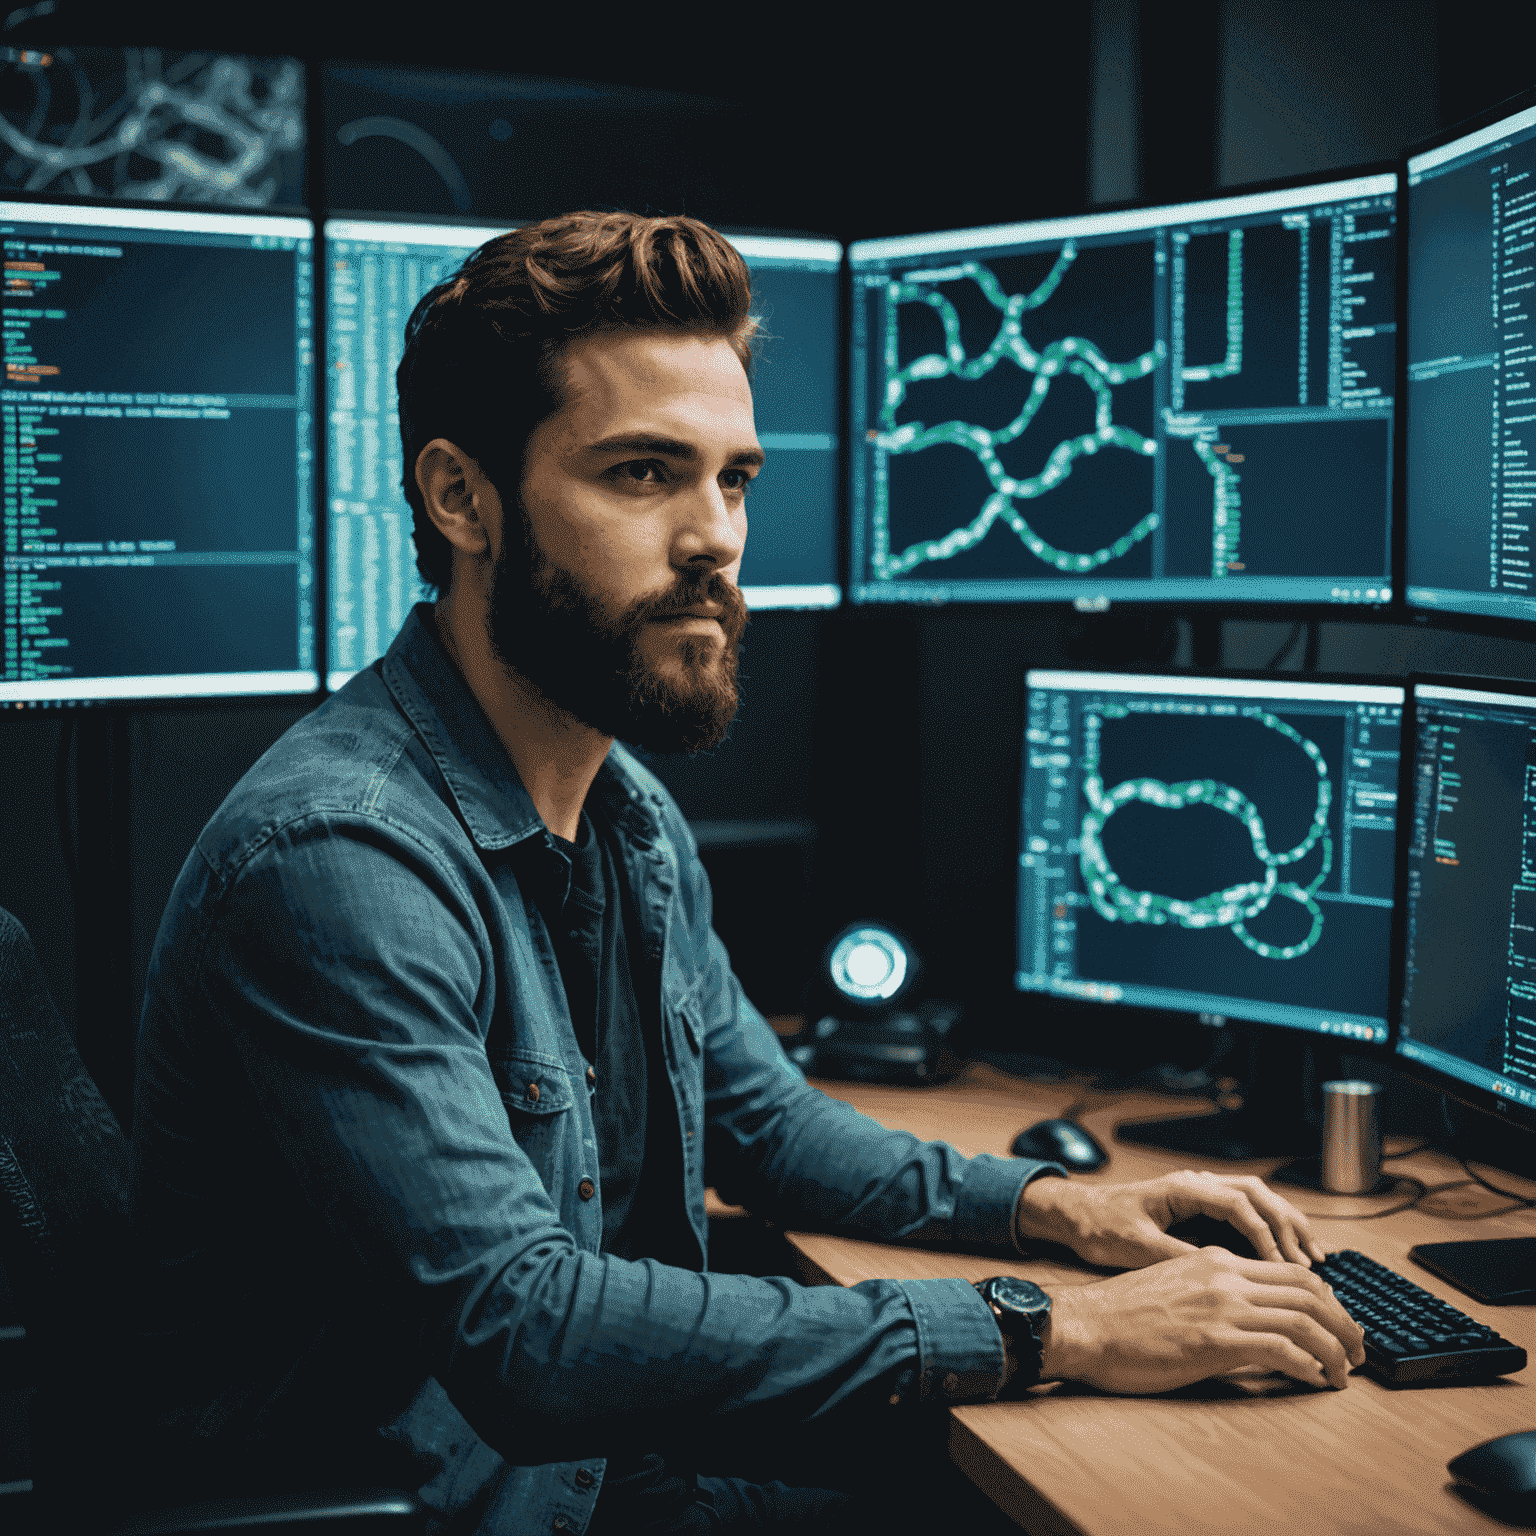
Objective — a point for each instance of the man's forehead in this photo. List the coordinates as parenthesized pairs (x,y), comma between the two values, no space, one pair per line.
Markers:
(659,382)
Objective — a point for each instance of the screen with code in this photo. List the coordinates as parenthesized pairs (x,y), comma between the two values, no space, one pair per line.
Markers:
(377,270)
(1469,984)
(156,412)
(1182,404)
(1217,845)
(1471,415)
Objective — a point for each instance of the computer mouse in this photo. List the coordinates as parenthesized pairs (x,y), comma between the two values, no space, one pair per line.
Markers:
(1503,1469)
(1061,1141)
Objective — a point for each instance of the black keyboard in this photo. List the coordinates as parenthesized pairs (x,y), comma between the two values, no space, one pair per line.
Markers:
(1411,1335)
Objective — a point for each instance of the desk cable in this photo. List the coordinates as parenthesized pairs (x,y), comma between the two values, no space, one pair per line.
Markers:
(1423,1190)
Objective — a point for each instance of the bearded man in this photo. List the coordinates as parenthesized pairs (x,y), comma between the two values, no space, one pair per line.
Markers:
(439,1050)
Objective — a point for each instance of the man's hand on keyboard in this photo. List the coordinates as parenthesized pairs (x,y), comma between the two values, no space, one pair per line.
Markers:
(1204,1314)
(1125,1226)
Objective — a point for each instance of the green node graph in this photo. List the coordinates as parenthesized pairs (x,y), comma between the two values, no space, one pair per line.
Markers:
(1234,906)
(1072,354)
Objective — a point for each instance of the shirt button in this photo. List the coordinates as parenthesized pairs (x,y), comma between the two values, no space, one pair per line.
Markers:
(591,1074)
(586,1189)
(584,1478)
(533,1093)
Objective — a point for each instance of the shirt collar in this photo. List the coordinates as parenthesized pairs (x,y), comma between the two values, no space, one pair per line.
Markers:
(445,713)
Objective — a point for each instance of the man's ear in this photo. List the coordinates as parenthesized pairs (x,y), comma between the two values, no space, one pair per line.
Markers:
(460,500)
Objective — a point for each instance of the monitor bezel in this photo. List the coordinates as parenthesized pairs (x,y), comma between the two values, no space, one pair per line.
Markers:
(1434,1077)
(1215,607)
(492,227)
(297,211)
(168,205)
(1424,616)
(1099,1007)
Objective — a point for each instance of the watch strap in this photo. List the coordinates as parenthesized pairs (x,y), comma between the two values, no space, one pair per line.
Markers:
(1023,1326)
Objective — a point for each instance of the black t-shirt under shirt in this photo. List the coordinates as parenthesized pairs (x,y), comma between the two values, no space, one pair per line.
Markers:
(616,1011)
(595,936)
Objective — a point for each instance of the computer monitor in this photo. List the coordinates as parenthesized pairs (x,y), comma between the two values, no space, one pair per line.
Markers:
(378,268)
(1186,404)
(158,510)
(1469,480)
(793,508)
(1465,950)
(1213,845)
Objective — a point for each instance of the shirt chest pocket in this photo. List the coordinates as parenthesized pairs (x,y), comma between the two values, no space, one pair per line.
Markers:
(538,1096)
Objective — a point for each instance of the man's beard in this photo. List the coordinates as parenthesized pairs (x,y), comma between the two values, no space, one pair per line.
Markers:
(556,633)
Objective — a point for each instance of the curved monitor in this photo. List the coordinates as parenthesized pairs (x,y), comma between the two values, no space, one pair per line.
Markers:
(158,424)
(1220,845)
(377,268)
(1466,953)
(1187,404)
(1470,480)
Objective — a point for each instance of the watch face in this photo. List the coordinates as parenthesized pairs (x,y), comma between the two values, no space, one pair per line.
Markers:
(1016,1295)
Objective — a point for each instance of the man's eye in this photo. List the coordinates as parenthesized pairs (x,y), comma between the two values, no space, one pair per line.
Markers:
(739,479)
(642,472)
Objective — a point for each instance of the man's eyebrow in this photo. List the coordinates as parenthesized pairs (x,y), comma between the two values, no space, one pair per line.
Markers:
(671,447)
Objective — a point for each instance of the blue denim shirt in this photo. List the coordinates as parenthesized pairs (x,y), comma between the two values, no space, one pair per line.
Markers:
(366,1178)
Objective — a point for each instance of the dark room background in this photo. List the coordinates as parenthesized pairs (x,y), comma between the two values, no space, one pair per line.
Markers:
(876,756)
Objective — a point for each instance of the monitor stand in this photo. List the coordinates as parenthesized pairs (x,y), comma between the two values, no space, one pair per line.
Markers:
(1278,1070)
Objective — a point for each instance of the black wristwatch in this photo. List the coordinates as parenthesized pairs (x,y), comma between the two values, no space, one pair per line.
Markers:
(1022,1310)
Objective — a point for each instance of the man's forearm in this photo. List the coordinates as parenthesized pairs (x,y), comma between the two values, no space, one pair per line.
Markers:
(1040,1213)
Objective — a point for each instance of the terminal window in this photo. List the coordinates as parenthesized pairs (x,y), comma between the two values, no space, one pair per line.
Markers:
(1469,990)
(1179,404)
(156,416)
(1471,482)
(378,270)
(1212,845)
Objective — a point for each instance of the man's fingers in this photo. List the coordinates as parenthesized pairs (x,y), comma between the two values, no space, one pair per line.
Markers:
(1234,1206)
(1303,1330)
(1325,1309)
(1277,1230)
(1280,1354)
(1291,1226)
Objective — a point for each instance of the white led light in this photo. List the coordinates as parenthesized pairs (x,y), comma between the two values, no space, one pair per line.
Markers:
(869,964)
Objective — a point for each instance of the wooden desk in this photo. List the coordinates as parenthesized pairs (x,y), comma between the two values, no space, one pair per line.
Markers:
(1238,1455)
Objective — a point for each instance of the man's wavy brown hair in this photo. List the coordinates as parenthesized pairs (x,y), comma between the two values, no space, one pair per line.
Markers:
(482,350)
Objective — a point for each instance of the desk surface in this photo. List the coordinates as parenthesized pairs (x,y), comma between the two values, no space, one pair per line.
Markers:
(1242,1454)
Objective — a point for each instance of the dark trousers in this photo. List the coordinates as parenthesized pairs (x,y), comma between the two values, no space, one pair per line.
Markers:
(829,1477)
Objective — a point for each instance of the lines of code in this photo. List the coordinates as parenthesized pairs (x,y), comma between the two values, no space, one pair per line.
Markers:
(1190,847)
(1198,409)
(158,533)
(1469,994)
(374,286)
(1471,414)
